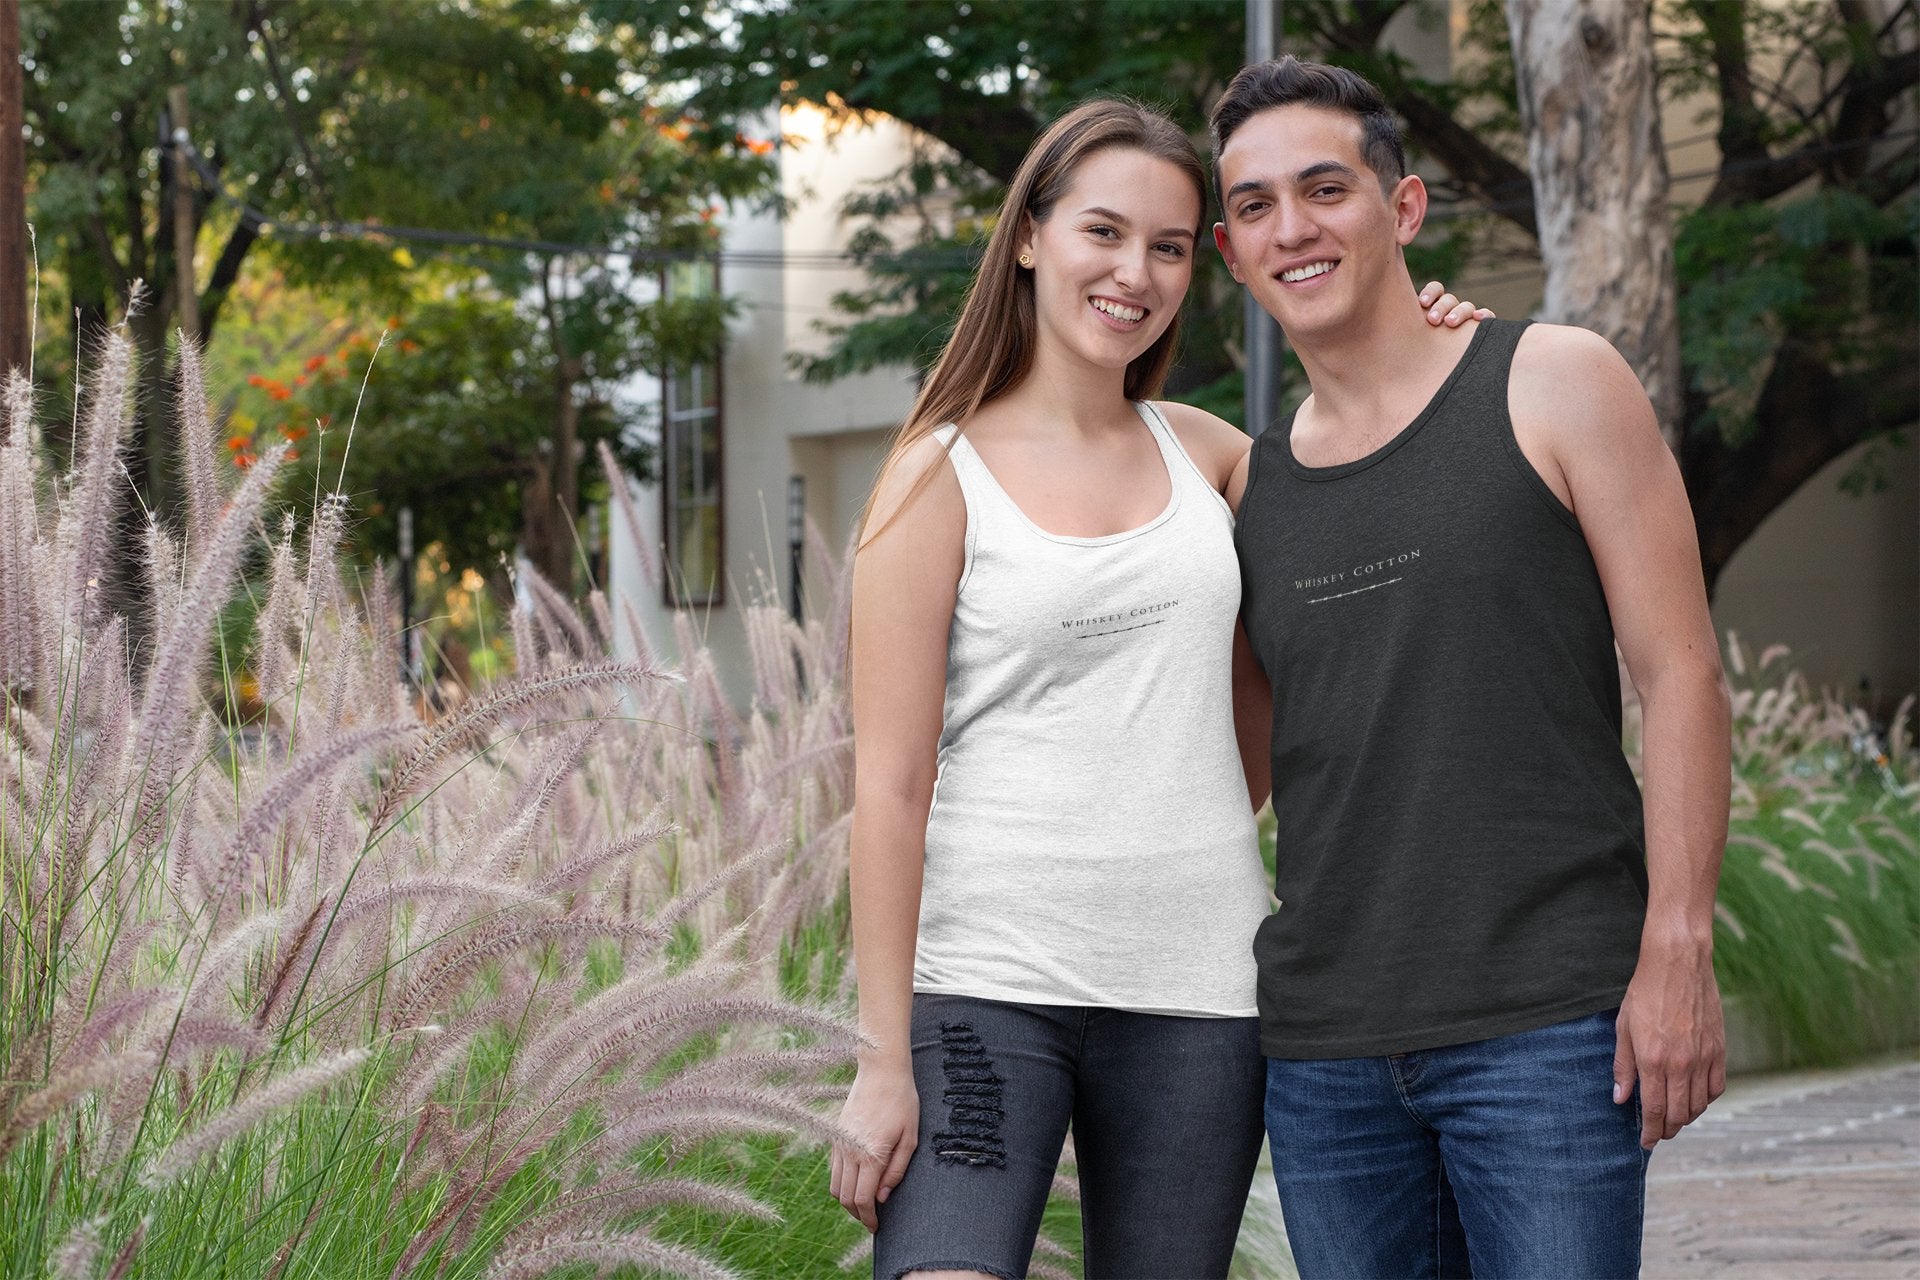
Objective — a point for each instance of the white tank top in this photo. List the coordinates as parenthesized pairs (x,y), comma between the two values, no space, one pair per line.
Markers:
(1090,841)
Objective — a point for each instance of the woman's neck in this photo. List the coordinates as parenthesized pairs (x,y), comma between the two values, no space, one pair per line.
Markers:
(1070,394)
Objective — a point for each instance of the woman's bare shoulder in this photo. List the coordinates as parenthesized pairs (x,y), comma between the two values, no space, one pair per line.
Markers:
(918,491)
(1215,445)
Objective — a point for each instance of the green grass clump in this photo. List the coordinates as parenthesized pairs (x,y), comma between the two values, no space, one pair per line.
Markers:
(1817,924)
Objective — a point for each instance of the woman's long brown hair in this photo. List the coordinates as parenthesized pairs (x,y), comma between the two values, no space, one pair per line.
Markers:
(992,345)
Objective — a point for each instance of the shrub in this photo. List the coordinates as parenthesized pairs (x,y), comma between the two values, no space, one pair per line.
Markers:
(1817,925)
(364,986)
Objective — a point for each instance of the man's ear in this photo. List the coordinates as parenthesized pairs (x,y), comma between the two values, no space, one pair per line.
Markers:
(1225,246)
(1409,201)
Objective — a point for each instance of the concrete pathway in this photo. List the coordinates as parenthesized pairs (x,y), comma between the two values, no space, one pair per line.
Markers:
(1808,1175)
(1798,1176)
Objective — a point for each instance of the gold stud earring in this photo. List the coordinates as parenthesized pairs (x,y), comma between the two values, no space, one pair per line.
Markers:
(1026,260)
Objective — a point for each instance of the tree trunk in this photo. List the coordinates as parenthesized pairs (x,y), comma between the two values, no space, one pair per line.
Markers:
(15,323)
(1808,415)
(541,538)
(1585,75)
(551,509)
(566,461)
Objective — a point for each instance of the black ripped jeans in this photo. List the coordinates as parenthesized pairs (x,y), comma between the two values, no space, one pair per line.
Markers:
(1166,1117)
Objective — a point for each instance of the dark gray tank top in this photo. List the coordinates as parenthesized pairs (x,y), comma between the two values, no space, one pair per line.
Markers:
(1460,844)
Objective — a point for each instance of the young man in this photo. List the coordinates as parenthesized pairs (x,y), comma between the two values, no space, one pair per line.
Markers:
(1490,976)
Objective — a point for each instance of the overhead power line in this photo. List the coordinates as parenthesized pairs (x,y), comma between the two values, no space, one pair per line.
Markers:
(301,229)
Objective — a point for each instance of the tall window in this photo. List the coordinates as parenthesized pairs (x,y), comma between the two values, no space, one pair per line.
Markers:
(690,436)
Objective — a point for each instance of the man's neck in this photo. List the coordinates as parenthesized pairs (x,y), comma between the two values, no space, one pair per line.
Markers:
(1356,370)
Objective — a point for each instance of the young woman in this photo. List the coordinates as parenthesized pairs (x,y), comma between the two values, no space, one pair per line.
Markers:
(1055,878)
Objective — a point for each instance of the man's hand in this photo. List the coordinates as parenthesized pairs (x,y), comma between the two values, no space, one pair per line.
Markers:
(883,1111)
(1672,1037)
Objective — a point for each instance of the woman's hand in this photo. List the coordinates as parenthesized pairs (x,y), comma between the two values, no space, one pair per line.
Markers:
(882,1111)
(1443,308)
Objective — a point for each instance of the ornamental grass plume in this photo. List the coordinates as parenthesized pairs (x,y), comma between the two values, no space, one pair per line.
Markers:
(1817,923)
(350,987)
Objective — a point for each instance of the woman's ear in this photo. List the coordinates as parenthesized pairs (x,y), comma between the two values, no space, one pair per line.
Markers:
(1023,241)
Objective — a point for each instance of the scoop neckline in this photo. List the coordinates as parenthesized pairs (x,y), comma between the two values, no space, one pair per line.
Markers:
(1147,415)
(1341,469)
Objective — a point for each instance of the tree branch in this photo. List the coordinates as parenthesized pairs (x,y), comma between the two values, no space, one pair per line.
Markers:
(133,206)
(1504,185)
(256,22)
(1743,126)
(226,270)
(987,132)
(1807,416)
(1870,88)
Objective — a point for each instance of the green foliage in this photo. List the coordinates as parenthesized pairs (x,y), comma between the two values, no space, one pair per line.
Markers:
(946,64)
(459,396)
(503,120)
(1831,267)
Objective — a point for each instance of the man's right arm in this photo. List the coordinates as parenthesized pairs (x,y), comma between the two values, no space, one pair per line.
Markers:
(1585,422)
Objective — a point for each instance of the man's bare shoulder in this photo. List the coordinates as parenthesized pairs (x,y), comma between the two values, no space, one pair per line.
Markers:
(1581,416)
(1568,359)
(1571,384)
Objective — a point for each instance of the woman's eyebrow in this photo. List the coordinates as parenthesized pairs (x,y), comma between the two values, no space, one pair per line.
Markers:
(1121,218)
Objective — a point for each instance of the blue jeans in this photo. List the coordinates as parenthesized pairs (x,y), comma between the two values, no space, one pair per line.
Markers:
(1504,1157)
(1165,1113)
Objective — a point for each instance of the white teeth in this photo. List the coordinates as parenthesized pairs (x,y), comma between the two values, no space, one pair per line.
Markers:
(1118,312)
(1307,272)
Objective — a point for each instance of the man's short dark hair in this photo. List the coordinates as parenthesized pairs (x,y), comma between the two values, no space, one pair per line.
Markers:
(1288,81)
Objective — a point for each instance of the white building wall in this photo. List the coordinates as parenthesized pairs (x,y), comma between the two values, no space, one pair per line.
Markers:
(1836,578)
(774,425)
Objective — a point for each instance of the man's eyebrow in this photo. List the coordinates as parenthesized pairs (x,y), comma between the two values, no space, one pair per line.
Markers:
(1325,167)
(1242,188)
(1124,221)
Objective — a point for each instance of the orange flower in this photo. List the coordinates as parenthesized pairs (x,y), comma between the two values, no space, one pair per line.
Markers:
(299,379)
(409,346)
(237,443)
(280,391)
(243,460)
(255,380)
(314,362)
(292,432)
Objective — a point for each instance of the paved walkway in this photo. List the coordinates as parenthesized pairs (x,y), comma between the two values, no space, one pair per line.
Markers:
(1799,1176)
(1811,1175)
